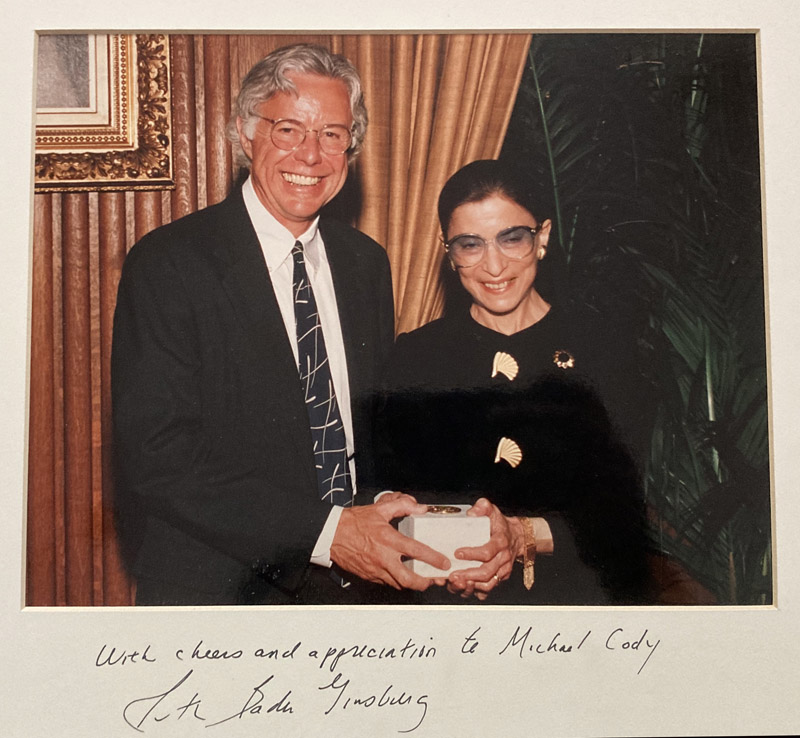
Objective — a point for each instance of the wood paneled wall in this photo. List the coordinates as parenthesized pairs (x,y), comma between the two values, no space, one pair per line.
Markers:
(79,243)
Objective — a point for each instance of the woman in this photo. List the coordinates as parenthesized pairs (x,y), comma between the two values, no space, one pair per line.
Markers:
(494,404)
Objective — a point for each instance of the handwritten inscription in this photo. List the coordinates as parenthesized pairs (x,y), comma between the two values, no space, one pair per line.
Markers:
(209,654)
(523,642)
(618,639)
(279,696)
(408,651)
(527,643)
(111,656)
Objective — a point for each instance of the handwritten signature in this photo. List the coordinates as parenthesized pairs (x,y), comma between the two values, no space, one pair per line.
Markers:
(158,708)
(377,699)
(172,705)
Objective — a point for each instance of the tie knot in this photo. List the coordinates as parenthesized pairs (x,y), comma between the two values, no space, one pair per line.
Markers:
(298,248)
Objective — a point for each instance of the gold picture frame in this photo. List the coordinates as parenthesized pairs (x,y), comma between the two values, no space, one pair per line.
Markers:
(115,134)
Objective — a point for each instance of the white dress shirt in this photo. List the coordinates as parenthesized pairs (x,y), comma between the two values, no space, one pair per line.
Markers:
(277,244)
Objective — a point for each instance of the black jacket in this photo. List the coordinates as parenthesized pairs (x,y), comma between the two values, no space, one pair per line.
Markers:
(443,416)
(216,487)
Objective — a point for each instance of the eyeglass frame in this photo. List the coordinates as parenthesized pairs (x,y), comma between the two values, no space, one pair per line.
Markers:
(534,231)
(318,131)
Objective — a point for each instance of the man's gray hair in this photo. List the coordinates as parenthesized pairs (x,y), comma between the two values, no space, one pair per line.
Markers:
(269,76)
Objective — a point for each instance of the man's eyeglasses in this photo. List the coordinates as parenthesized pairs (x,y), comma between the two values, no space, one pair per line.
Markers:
(288,134)
(468,249)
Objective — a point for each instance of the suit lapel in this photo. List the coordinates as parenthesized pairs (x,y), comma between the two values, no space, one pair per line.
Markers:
(247,283)
(246,280)
(348,285)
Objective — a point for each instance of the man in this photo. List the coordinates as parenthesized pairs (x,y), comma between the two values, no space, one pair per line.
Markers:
(225,474)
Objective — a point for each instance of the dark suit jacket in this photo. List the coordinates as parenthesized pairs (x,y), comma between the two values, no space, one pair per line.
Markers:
(216,489)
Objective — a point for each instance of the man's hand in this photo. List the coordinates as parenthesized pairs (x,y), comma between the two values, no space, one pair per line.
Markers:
(367,545)
(498,554)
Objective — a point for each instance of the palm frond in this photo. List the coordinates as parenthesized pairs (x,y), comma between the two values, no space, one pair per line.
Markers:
(649,146)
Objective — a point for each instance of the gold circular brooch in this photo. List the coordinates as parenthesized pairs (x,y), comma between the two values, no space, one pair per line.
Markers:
(563,359)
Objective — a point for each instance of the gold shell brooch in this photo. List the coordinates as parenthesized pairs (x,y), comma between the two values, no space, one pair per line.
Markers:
(506,365)
(563,359)
(509,451)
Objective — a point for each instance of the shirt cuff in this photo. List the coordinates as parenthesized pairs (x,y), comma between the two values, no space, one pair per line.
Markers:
(544,536)
(321,555)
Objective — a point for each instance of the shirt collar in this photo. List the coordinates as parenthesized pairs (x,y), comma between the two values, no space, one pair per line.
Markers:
(276,240)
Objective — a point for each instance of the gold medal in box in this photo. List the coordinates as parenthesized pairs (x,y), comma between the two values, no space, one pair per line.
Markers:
(445,528)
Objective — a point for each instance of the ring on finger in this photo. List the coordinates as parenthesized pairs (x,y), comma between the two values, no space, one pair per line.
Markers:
(496,577)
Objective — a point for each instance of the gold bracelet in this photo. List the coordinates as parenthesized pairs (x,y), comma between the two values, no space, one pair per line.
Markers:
(528,557)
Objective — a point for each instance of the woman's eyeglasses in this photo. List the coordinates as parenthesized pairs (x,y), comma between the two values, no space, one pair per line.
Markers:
(468,249)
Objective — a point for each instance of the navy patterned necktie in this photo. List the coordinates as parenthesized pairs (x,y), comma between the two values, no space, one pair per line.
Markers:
(327,428)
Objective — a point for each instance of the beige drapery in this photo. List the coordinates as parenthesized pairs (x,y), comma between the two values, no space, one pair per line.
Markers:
(435,101)
(439,102)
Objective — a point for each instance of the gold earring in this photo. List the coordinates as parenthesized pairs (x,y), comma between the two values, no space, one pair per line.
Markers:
(541,254)
(452,266)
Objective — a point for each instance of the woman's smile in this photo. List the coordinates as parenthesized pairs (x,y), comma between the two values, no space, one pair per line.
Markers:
(497,286)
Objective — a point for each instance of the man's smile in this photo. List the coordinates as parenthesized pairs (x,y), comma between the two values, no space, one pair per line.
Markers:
(300,179)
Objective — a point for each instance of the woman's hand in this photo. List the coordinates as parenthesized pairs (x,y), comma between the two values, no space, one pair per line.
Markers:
(498,554)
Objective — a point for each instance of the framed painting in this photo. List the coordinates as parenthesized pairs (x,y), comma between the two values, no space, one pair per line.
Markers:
(103,112)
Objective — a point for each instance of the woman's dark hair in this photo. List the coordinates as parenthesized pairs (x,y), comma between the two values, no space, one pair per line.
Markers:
(484,178)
